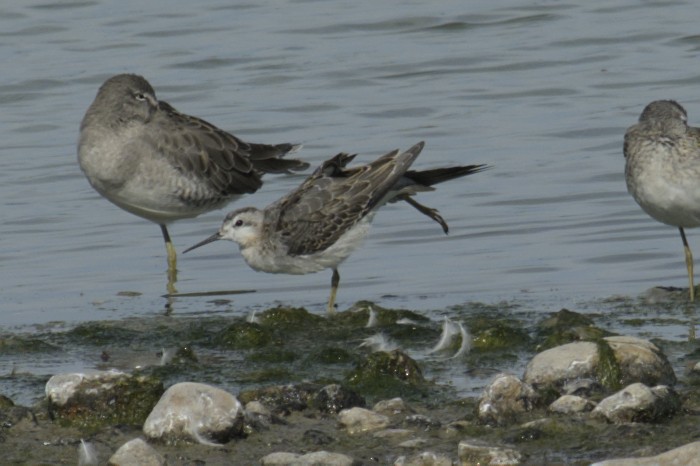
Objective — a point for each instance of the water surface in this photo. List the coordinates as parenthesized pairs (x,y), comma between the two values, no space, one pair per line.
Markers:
(541,91)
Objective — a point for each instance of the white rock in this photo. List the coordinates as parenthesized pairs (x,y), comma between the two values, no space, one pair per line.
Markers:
(317,458)
(427,458)
(571,404)
(390,407)
(195,411)
(357,420)
(136,452)
(472,452)
(639,361)
(638,403)
(505,398)
(686,455)
(62,387)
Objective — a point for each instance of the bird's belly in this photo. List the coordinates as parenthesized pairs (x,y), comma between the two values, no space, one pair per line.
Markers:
(672,202)
(278,261)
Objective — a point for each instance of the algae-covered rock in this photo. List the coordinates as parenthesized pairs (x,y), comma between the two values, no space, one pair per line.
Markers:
(496,334)
(504,399)
(90,401)
(566,326)
(334,398)
(282,399)
(368,314)
(243,335)
(286,317)
(16,344)
(611,363)
(386,374)
(639,403)
(330,355)
(190,411)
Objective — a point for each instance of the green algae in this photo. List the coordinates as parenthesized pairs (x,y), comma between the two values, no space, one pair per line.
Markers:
(243,335)
(608,370)
(126,400)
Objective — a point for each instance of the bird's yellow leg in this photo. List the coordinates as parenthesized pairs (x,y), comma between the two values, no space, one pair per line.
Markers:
(688,264)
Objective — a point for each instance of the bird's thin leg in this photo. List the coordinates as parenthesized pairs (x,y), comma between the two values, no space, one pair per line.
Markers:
(688,263)
(430,212)
(335,280)
(172,260)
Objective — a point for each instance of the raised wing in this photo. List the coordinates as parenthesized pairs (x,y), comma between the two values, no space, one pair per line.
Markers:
(334,198)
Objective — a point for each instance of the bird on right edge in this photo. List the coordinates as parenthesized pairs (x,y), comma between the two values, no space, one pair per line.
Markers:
(319,224)
(662,169)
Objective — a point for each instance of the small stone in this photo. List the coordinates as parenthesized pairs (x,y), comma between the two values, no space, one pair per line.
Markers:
(393,433)
(390,407)
(414,443)
(473,452)
(504,399)
(571,404)
(136,451)
(310,459)
(357,420)
(427,458)
(195,411)
(684,455)
(334,398)
(639,403)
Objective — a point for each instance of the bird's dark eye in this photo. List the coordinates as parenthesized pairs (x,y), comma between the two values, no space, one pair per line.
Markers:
(238,223)
(140,96)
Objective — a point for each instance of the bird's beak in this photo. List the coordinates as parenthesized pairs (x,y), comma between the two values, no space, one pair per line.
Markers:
(215,237)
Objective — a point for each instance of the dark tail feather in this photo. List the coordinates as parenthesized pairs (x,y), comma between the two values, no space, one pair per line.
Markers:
(438,175)
(269,159)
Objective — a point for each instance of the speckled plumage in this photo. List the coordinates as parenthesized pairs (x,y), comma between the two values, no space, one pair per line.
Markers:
(321,222)
(155,162)
(662,169)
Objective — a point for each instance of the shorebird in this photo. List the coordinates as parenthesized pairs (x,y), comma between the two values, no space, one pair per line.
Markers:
(320,223)
(662,169)
(155,162)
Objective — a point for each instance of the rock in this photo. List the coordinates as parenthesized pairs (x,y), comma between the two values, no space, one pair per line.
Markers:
(571,404)
(334,398)
(391,407)
(504,399)
(396,364)
(96,399)
(317,458)
(422,421)
(471,452)
(282,399)
(393,433)
(685,455)
(611,362)
(136,451)
(639,403)
(357,420)
(641,361)
(195,412)
(426,458)
(243,335)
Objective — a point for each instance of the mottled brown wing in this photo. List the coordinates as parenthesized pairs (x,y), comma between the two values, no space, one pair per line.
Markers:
(202,150)
(335,198)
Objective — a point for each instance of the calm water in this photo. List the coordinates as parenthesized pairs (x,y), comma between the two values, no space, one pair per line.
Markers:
(542,91)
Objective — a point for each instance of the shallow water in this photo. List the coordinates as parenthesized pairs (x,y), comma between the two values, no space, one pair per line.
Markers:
(542,92)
